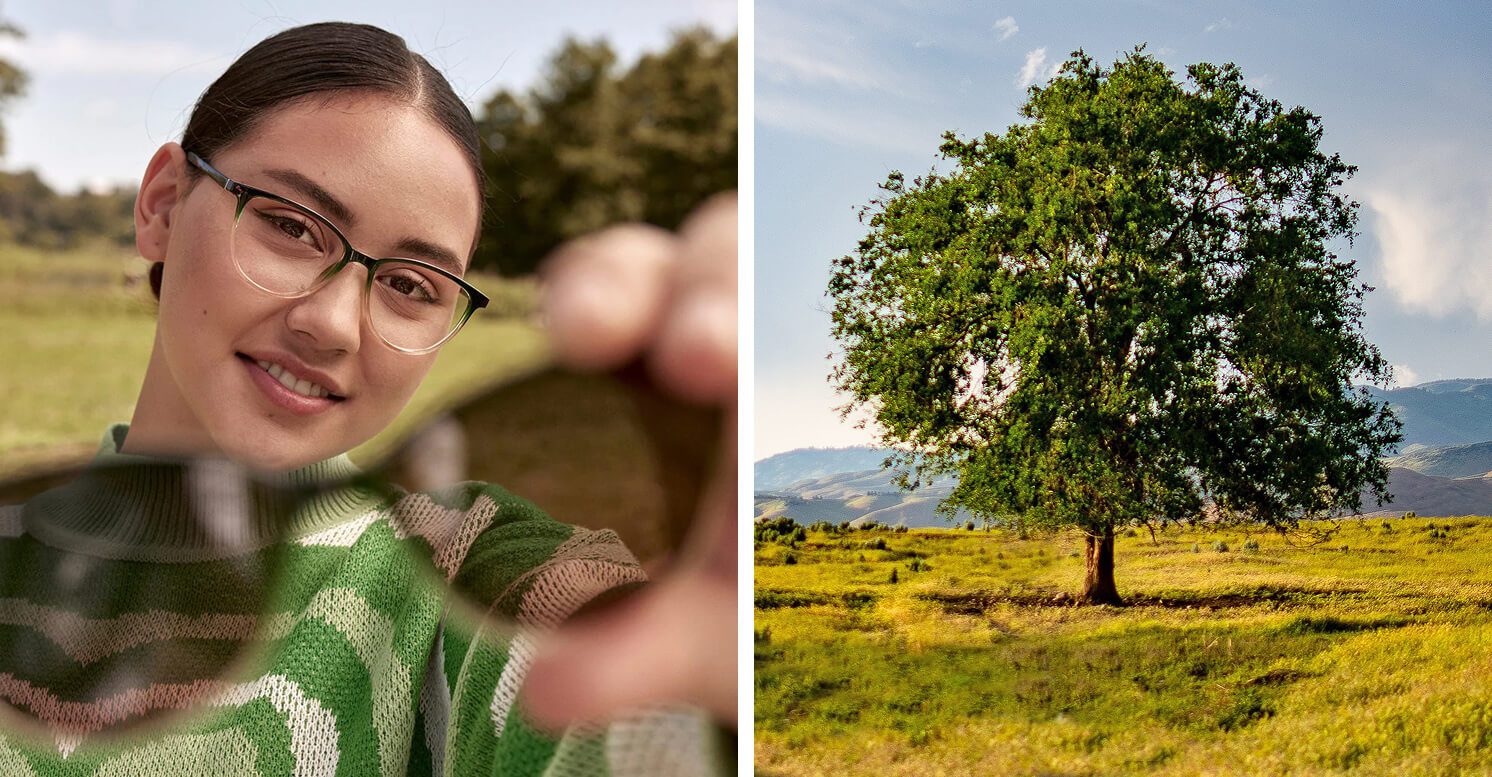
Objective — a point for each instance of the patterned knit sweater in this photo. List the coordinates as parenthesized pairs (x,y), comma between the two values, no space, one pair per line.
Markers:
(359,666)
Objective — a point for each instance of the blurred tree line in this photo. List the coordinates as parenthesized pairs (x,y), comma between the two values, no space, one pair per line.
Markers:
(590,144)
(34,215)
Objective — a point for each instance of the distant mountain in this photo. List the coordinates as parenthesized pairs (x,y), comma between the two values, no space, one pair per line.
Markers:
(804,463)
(1453,461)
(1442,468)
(857,497)
(1431,496)
(1445,412)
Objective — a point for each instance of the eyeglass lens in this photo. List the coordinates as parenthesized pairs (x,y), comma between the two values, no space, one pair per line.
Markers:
(285,250)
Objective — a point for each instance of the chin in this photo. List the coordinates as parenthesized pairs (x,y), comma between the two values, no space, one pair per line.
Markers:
(267,456)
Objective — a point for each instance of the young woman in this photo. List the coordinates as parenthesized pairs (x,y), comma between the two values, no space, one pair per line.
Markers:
(284,339)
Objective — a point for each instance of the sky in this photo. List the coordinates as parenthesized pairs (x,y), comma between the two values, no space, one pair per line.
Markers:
(846,92)
(111,80)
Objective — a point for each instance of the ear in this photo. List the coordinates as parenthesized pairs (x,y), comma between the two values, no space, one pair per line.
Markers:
(164,184)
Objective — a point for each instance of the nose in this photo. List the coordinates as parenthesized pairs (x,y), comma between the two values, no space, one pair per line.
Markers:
(331,318)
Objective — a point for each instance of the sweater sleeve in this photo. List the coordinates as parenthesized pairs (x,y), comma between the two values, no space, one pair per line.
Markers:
(530,573)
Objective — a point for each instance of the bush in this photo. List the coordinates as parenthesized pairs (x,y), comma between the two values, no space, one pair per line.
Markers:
(1251,545)
(1131,533)
(789,558)
(918,565)
(879,543)
(968,526)
(1410,514)
(1220,546)
(893,576)
(901,528)
(1196,548)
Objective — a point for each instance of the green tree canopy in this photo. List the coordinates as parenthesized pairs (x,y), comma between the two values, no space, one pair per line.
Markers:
(1125,309)
(590,146)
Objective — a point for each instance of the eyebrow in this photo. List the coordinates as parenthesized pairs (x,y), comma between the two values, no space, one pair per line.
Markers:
(327,203)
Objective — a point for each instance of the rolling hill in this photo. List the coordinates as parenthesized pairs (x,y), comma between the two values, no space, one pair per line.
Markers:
(1442,469)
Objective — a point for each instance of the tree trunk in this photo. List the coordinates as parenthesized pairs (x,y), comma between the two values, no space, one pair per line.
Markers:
(1098,586)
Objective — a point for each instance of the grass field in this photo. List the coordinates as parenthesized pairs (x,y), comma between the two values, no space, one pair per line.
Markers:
(76,329)
(1370,654)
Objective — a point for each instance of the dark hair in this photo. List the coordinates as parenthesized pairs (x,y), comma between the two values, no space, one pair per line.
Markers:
(326,58)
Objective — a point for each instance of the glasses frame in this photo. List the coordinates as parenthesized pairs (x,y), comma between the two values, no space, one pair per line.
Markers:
(350,255)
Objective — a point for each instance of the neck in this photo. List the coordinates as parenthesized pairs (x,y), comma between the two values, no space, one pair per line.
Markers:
(163,424)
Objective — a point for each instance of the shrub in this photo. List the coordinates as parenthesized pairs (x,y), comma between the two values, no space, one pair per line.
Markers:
(893,575)
(879,543)
(1220,546)
(1410,514)
(789,558)
(968,526)
(1251,545)
(918,565)
(1196,548)
(901,528)
(1130,532)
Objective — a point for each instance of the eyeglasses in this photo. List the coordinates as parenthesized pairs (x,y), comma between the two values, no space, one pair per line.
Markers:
(288,250)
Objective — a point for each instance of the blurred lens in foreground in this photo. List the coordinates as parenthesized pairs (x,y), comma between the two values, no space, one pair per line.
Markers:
(131,591)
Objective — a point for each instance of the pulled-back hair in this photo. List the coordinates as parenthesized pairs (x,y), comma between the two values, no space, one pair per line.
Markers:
(327,58)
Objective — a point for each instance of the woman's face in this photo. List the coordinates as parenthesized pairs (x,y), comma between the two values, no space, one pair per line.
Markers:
(389,178)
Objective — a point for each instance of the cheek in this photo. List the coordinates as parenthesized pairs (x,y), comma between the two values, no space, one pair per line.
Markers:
(395,377)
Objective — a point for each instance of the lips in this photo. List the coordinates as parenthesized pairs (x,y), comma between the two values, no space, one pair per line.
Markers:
(290,384)
(288,379)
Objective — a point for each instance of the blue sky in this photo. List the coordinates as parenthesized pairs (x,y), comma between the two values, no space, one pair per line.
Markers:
(111,80)
(847,92)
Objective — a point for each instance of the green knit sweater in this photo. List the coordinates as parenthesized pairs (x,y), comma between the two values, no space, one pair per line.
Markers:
(359,667)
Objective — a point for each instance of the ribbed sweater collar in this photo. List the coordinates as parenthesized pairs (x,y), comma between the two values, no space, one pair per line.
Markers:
(142,508)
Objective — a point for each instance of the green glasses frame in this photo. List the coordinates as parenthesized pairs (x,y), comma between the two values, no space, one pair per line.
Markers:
(244,193)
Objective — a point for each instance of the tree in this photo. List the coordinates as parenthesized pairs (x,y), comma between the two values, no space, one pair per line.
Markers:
(12,78)
(590,146)
(1126,309)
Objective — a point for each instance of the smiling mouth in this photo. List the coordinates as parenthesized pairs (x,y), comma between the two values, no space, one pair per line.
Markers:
(299,385)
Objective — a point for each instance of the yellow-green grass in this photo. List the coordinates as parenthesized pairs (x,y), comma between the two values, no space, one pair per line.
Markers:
(76,329)
(1376,659)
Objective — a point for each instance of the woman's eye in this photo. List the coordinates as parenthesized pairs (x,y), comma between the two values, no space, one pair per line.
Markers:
(410,286)
(293,227)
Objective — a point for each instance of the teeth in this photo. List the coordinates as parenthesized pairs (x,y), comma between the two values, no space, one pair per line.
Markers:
(298,385)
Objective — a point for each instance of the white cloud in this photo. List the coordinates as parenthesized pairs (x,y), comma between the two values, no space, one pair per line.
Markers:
(1036,68)
(915,133)
(1432,219)
(1007,27)
(70,52)
(786,65)
(1404,377)
(1221,24)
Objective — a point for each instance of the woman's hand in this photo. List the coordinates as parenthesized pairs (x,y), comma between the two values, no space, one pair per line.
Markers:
(609,297)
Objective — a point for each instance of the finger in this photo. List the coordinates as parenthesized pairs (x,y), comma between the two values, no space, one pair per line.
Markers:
(695,353)
(604,294)
(674,643)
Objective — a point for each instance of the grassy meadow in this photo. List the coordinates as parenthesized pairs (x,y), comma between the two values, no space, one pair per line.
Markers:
(76,329)
(1237,654)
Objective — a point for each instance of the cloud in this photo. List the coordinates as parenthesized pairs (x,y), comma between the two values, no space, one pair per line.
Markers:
(1007,27)
(789,66)
(1404,377)
(1036,68)
(1432,219)
(70,52)
(860,127)
(1221,24)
